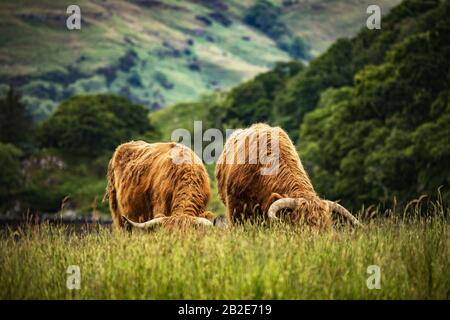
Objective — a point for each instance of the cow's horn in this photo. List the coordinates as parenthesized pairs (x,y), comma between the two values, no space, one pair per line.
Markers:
(145,225)
(285,203)
(344,212)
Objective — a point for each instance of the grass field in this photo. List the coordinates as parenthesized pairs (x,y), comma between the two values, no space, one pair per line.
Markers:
(245,262)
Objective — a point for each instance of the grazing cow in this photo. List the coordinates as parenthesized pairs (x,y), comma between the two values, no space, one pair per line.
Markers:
(157,184)
(251,192)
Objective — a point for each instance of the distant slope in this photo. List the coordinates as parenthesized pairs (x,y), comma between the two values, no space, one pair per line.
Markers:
(321,22)
(154,52)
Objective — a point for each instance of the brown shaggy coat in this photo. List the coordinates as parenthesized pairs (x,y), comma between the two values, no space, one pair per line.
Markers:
(248,194)
(144,182)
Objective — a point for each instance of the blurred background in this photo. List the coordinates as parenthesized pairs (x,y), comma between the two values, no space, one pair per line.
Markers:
(368,110)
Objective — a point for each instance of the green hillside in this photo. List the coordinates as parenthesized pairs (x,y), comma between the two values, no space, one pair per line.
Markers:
(157,52)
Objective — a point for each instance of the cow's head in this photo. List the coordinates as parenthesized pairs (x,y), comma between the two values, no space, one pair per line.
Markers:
(315,211)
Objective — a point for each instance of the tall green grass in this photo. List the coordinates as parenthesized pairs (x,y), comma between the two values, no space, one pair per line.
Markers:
(244,262)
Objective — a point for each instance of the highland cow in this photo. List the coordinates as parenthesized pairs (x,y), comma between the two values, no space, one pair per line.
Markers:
(157,184)
(250,194)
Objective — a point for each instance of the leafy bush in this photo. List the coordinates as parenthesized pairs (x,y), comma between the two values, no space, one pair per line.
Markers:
(90,125)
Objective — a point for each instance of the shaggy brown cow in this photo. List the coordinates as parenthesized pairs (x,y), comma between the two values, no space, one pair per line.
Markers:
(252,192)
(159,183)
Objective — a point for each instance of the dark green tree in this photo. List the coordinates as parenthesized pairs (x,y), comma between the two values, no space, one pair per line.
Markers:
(387,135)
(15,121)
(253,101)
(299,49)
(265,16)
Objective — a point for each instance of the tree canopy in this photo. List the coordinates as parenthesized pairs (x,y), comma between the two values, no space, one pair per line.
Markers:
(387,135)
(89,125)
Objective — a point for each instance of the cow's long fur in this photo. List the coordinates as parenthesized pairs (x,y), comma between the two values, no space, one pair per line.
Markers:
(248,194)
(144,182)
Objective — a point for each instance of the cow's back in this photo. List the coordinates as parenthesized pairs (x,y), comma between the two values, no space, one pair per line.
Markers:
(242,187)
(148,180)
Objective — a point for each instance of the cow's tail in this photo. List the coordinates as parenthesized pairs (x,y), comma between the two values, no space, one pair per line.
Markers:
(110,192)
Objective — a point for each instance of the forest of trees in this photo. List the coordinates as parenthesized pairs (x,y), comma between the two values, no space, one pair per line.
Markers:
(370,118)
